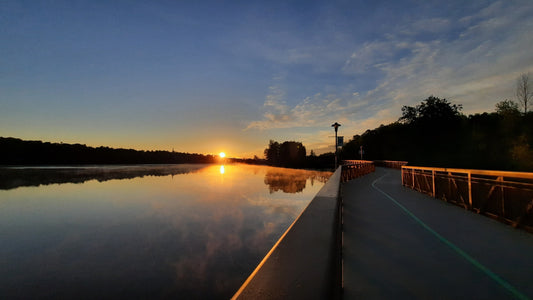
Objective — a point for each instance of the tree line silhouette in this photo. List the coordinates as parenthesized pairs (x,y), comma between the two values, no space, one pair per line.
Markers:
(435,133)
(291,154)
(15,151)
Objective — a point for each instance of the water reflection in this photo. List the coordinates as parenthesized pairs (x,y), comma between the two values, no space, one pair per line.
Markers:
(292,181)
(13,177)
(184,236)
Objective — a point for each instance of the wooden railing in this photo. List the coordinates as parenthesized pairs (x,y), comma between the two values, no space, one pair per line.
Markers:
(390,164)
(506,196)
(356,168)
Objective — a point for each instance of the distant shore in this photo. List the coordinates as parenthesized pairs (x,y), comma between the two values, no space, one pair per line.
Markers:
(14,151)
(13,177)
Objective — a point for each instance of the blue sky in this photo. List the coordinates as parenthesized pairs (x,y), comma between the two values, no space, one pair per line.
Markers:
(211,76)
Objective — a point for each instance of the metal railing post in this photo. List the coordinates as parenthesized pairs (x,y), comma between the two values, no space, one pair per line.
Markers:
(470,189)
(433,179)
(500,179)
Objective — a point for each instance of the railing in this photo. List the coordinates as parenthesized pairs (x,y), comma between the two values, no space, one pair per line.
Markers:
(506,196)
(390,164)
(356,168)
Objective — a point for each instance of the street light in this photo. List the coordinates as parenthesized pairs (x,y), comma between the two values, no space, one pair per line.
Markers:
(336,126)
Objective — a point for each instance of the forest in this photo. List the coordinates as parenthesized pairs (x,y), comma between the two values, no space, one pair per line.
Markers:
(436,134)
(15,151)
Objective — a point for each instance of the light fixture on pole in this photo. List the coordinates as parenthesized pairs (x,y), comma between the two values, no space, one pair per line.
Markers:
(336,126)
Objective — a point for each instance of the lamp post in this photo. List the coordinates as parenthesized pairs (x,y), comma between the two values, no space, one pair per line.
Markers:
(336,126)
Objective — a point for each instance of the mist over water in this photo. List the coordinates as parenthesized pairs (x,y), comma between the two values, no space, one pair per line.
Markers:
(187,235)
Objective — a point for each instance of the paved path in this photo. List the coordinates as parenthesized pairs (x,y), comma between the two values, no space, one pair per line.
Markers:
(400,244)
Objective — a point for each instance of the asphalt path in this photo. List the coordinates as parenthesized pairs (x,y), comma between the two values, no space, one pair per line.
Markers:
(401,244)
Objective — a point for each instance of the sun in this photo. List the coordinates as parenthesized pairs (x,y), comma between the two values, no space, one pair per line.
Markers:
(222,154)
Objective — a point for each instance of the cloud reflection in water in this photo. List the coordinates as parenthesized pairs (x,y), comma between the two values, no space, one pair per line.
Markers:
(195,235)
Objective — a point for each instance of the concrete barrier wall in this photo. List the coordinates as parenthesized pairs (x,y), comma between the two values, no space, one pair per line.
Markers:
(306,261)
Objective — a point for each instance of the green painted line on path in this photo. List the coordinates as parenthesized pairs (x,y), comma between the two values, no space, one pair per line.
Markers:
(458,250)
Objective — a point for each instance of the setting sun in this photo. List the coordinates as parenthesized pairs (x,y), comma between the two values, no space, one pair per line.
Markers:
(222,154)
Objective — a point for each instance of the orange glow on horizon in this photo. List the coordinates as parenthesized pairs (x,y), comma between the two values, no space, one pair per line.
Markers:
(222,154)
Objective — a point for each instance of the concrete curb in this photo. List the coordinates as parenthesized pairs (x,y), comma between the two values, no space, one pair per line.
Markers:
(305,263)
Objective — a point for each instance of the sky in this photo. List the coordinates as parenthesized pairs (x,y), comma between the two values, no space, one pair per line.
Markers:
(211,76)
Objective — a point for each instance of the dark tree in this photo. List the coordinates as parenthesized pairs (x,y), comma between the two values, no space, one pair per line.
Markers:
(523,91)
(272,153)
(409,114)
(292,154)
(507,108)
(287,154)
(432,109)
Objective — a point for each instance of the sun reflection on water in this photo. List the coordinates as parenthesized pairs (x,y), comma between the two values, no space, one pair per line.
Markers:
(217,211)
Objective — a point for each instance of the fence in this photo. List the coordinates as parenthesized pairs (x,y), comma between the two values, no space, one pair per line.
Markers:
(506,196)
(390,163)
(356,168)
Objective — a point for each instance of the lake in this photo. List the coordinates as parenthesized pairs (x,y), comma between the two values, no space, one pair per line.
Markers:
(143,232)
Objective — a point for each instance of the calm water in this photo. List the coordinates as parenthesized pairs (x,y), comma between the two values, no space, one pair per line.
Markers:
(196,233)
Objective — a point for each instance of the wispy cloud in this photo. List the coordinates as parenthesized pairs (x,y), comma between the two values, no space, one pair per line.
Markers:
(373,54)
(477,67)
(469,59)
(313,111)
